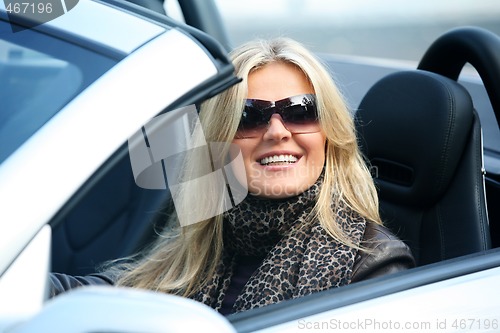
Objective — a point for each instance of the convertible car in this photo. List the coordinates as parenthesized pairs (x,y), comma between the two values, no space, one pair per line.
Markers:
(82,87)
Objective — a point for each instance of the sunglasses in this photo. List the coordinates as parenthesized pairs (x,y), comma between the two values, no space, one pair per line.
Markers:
(298,113)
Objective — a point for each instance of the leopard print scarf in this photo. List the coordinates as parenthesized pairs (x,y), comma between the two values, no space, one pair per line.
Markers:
(299,257)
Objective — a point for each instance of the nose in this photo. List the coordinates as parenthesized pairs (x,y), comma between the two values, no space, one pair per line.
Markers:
(276,129)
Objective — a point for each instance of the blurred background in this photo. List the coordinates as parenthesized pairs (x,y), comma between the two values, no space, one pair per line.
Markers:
(395,29)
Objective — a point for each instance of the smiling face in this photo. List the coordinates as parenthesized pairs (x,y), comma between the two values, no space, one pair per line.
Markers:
(278,163)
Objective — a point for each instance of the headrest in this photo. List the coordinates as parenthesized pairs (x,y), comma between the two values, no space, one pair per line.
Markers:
(413,127)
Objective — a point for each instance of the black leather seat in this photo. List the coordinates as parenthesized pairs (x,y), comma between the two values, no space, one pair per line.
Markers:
(423,139)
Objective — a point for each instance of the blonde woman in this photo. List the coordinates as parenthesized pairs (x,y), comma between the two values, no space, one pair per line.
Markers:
(310,221)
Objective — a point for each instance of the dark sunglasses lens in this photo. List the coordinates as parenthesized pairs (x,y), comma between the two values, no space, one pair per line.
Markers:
(252,122)
(299,114)
(252,117)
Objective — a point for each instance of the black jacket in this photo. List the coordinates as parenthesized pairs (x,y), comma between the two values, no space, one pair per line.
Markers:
(383,254)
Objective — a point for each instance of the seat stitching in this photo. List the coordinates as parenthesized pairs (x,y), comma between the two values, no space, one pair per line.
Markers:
(450,125)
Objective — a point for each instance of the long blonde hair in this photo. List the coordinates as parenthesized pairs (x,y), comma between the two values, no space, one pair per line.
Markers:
(183,259)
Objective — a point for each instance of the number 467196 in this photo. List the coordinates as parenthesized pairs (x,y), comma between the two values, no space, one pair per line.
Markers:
(28,8)
(475,324)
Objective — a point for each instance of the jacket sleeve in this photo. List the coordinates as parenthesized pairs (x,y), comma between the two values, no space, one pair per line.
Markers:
(384,253)
(59,283)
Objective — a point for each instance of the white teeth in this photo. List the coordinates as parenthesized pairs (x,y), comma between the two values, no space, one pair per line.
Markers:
(278,159)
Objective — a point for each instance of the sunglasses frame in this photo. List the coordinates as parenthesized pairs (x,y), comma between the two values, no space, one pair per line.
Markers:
(256,123)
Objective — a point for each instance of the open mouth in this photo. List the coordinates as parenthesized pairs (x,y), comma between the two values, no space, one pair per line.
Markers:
(278,160)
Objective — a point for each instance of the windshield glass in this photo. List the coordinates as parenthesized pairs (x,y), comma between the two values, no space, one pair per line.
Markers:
(38,76)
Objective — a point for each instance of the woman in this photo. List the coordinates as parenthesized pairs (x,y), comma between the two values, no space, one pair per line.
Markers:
(310,221)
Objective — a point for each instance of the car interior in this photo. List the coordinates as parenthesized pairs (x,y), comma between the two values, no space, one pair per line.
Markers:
(422,137)
(418,129)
